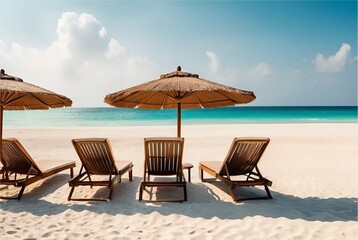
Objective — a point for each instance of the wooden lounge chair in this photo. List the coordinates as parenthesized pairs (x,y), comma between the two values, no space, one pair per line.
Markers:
(20,170)
(97,161)
(163,158)
(239,168)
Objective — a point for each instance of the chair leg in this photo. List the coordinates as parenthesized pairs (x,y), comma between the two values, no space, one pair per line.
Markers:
(268,192)
(70,194)
(231,190)
(21,192)
(141,192)
(110,193)
(130,175)
(185,193)
(201,173)
(269,196)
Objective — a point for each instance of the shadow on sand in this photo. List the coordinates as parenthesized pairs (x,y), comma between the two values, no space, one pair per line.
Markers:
(202,202)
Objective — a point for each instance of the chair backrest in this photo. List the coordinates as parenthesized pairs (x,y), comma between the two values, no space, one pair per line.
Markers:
(16,159)
(163,156)
(96,155)
(243,156)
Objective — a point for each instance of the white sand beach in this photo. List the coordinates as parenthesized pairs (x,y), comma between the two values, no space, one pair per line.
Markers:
(313,167)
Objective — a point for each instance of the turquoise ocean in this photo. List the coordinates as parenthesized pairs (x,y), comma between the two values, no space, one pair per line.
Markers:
(111,117)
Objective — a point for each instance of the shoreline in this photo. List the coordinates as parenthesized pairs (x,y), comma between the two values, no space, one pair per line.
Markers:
(183,125)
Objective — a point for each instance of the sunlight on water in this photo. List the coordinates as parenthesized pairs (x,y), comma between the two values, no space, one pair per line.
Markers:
(75,117)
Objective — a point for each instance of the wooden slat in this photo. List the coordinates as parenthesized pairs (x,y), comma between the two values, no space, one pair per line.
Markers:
(241,160)
(163,157)
(97,159)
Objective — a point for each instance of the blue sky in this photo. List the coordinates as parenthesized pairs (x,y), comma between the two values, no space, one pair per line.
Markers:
(286,52)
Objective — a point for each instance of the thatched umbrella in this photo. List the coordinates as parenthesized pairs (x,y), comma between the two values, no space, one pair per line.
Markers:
(179,90)
(15,94)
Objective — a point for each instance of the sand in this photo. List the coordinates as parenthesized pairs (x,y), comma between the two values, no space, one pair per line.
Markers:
(314,169)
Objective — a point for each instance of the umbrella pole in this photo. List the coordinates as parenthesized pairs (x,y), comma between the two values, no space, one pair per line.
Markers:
(179,120)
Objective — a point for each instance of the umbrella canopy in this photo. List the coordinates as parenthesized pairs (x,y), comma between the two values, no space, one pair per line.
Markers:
(15,94)
(179,90)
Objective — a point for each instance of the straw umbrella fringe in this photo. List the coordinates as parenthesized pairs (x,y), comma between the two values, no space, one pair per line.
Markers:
(179,90)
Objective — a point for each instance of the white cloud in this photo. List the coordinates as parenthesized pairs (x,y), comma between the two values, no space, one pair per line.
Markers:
(334,63)
(213,62)
(102,32)
(139,69)
(115,49)
(80,35)
(261,70)
(82,63)
(16,49)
